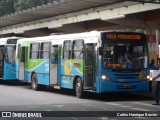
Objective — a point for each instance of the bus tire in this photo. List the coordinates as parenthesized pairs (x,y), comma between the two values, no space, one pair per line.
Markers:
(34,82)
(79,88)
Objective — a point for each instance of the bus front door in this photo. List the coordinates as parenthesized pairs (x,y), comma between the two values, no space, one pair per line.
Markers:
(54,65)
(89,74)
(22,60)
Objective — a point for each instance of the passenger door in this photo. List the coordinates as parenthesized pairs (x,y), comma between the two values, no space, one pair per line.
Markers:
(89,67)
(22,62)
(54,65)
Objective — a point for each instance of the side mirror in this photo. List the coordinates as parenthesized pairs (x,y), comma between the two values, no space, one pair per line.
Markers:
(100,51)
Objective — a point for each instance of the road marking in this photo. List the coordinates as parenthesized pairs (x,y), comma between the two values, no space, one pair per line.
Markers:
(129,107)
(120,105)
(59,106)
(48,110)
(94,106)
(74,118)
(103,118)
(140,109)
(145,104)
(113,104)
(141,118)
(125,106)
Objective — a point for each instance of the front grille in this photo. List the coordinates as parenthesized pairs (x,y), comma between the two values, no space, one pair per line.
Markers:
(126,75)
(126,87)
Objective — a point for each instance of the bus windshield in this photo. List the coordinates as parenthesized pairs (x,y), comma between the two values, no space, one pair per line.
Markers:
(125,56)
(1,58)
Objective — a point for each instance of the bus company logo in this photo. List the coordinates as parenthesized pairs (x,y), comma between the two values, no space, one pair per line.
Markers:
(6,114)
(67,67)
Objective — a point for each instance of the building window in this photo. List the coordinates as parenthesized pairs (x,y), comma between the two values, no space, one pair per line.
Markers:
(77,48)
(67,49)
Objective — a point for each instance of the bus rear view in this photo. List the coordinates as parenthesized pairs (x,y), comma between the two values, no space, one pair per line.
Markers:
(7,58)
(124,62)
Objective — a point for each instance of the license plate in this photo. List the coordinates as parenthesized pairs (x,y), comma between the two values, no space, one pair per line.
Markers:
(127,85)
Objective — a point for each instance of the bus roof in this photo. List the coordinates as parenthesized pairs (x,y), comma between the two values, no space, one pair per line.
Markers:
(62,36)
(76,36)
(3,41)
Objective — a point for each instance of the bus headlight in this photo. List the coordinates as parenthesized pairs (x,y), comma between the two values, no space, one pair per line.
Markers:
(104,77)
(148,77)
(143,75)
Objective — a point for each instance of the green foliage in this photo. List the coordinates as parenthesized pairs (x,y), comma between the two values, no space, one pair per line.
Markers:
(26,4)
(11,6)
(6,7)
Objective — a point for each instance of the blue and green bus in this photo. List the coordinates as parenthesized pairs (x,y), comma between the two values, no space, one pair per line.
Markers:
(7,58)
(106,61)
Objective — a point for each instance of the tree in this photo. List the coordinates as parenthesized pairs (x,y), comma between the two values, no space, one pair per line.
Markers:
(11,6)
(26,4)
(6,7)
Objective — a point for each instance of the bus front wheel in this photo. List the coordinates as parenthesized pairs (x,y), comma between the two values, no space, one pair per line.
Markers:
(79,88)
(34,82)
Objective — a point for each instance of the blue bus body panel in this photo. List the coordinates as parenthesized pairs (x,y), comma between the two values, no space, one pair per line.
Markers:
(142,86)
(42,72)
(59,73)
(9,71)
(26,75)
(17,71)
(68,72)
(127,81)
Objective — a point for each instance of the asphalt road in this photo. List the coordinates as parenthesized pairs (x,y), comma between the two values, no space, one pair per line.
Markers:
(17,96)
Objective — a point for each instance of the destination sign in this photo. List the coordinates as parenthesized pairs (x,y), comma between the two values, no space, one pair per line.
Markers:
(11,41)
(123,36)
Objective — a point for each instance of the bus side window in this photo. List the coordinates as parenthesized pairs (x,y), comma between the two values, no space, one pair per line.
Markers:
(89,54)
(1,53)
(10,54)
(1,56)
(34,50)
(13,54)
(77,49)
(67,49)
(6,54)
(54,54)
(44,52)
(22,55)
(18,51)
